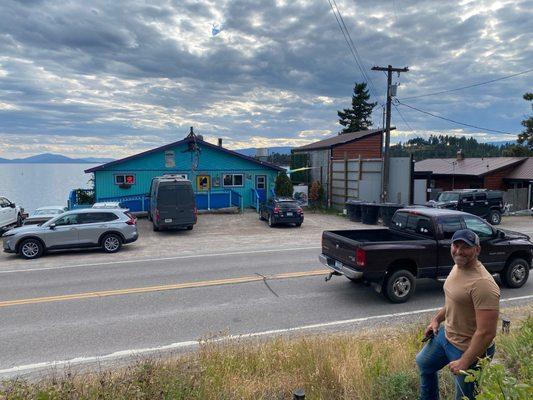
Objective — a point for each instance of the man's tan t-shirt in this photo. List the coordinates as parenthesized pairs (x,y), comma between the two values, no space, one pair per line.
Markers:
(467,290)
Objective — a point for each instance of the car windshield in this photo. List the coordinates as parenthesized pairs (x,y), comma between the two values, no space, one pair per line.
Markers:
(448,196)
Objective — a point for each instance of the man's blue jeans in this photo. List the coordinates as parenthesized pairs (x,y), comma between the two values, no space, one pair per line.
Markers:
(435,355)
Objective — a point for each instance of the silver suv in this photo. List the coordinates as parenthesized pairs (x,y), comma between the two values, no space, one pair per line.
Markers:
(106,228)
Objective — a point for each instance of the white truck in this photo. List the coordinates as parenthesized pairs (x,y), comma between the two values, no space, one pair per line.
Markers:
(10,214)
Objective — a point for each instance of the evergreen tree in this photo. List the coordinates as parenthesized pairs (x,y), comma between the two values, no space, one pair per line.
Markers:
(357,118)
(283,187)
(527,135)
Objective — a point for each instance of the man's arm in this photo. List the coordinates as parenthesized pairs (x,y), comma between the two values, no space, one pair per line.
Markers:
(487,323)
(435,322)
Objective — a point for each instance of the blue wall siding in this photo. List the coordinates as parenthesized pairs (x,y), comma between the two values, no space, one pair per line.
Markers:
(212,162)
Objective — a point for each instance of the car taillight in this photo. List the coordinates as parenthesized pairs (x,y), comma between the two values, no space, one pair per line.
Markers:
(132,220)
(277,210)
(300,210)
(157,216)
(360,257)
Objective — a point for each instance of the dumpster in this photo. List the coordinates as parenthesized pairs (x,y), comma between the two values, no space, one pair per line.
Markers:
(387,211)
(353,209)
(369,213)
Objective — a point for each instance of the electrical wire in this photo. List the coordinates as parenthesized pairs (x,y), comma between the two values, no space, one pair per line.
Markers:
(469,86)
(453,121)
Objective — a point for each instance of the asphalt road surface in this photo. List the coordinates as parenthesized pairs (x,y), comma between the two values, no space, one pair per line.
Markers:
(75,310)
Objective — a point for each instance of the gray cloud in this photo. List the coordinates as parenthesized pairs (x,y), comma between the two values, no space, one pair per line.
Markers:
(117,70)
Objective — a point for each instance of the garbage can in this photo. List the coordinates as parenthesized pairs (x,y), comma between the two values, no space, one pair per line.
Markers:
(353,209)
(388,210)
(369,213)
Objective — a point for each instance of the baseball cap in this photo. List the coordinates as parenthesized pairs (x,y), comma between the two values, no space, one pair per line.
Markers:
(467,236)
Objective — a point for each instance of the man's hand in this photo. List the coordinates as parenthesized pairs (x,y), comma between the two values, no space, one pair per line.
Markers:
(432,327)
(457,366)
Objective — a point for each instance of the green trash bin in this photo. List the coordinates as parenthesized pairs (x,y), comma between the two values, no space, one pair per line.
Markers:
(388,210)
(369,213)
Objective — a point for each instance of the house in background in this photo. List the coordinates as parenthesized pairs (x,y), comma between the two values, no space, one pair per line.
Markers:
(318,155)
(220,177)
(495,173)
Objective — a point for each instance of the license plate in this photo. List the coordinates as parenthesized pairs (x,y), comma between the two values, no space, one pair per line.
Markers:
(338,265)
(289,214)
(168,219)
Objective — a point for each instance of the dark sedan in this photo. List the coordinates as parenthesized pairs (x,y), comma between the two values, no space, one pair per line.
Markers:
(279,211)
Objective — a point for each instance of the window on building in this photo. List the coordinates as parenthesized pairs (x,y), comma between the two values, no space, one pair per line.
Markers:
(124,179)
(233,180)
(170,159)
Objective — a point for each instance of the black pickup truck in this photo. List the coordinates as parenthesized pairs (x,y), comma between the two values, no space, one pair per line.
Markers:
(417,245)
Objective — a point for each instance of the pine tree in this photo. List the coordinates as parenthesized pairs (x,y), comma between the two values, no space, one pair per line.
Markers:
(283,186)
(527,135)
(357,118)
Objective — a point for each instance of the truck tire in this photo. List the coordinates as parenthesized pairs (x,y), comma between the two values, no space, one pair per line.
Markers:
(399,286)
(515,273)
(155,228)
(189,228)
(495,217)
(31,248)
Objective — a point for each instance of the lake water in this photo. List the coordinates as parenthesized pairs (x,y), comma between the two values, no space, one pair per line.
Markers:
(38,185)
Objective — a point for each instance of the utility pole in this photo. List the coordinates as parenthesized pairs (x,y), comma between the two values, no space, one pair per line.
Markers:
(386,158)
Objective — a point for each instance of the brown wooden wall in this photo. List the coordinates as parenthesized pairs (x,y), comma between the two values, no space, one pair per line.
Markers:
(495,180)
(369,147)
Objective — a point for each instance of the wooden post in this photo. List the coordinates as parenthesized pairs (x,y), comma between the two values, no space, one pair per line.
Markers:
(345,176)
(330,181)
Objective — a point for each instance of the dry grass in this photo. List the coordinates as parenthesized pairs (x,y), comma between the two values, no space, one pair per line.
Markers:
(367,365)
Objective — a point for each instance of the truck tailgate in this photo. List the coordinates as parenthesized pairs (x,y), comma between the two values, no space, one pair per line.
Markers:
(339,248)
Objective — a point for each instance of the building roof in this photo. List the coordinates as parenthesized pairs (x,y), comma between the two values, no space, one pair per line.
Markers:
(467,166)
(338,140)
(173,144)
(523,172)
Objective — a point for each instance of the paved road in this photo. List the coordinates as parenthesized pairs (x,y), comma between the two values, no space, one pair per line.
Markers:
(68,308)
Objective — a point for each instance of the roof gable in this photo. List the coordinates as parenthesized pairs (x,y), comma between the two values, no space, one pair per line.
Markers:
(180,144)
(339,140)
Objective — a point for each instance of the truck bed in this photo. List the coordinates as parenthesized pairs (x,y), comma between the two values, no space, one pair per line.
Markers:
(373,235)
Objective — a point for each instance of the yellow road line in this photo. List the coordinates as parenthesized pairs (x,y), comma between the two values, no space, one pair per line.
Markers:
(147,289)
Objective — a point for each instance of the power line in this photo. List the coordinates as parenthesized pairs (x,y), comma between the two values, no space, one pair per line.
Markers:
(455,122)
(351,46)
(368,79)
(469,86)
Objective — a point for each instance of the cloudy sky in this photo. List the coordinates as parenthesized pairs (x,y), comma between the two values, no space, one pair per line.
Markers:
(112,78)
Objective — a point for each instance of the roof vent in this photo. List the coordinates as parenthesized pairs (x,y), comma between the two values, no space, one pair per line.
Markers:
(261,154)
(460,155)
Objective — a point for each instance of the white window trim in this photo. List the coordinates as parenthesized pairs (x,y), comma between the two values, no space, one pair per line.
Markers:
(233,180)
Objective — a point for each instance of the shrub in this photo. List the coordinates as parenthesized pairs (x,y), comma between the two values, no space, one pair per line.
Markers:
(283,186)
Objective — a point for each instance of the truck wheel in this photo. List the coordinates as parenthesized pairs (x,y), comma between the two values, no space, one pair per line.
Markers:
(111,243)
(515,274)
(189,228)
(495,217)
(31,248)
(399,286)
(155,227)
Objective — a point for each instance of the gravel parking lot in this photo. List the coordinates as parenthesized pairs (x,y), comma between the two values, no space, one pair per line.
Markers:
(219,233)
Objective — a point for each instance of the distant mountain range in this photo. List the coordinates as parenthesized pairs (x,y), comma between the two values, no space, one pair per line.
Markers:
(49,158)
(250,152)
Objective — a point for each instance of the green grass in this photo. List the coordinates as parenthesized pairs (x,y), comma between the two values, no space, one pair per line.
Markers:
(374,365)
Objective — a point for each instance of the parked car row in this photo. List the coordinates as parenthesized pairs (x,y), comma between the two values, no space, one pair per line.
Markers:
(84,228)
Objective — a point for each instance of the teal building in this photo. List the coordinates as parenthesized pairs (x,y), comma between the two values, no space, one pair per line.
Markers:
(220,177)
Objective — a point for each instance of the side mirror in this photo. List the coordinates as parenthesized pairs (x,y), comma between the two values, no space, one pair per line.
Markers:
(500,234)
(52,226)
(12,205)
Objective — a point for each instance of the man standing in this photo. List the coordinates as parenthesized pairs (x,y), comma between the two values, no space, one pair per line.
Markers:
(470,316)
